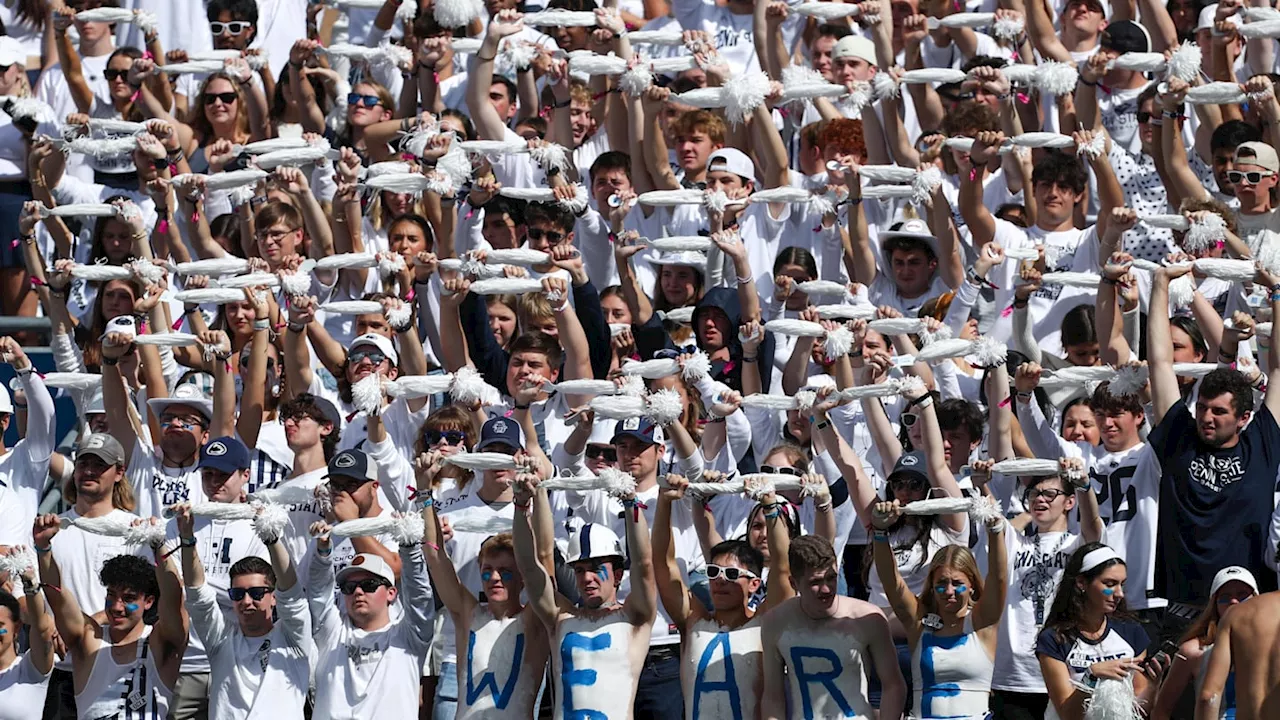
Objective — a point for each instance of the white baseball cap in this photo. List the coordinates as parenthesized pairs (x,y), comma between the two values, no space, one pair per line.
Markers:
(855,46)
(11,52)
(1233,573)
(592,541)
(382,342)
(6,400)
(188,394)
(369,563)
(734,161)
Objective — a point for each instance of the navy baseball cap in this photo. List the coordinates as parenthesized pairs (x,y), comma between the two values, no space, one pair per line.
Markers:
(226,454)
(353,464)
(910,466)
(501,431)
(640,428)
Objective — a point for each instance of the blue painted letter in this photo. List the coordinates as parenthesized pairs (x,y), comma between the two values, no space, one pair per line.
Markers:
(571,677)
(729,684)
(488,680)
(826,678)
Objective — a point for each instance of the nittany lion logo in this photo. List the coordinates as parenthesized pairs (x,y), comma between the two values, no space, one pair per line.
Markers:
(631,424)
(909,460)
(345,460)
(216,449)
(500,427)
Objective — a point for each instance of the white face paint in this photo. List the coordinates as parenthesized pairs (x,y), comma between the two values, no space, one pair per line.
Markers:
(602,646)
(709,654)
(493,681)
(824,674)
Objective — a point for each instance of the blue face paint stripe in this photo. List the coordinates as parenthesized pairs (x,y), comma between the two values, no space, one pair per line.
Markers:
(728,685)
(131,607)
(827,678)
(489,680)
(570,676)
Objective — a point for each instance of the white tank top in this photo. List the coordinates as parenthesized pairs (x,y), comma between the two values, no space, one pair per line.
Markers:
(490,680)
(721,671)
(825,676)
(592,660)
(951,675)
(132,691)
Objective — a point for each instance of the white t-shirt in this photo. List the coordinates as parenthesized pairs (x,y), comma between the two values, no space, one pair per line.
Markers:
(884,291)
(913,557)
(1036,563)
(156,486)
(1067,250)
(22,688)
(24,469)
(181,25)
(263,677)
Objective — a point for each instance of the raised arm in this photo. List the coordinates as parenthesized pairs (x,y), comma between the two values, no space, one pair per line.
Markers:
(489,125)
(538,586)
(1043,36)
(940,475)
(444,575)
(641,605)
(905,604)
(864,259)
(996,586)
(1272,398)
(68,618)
(666,571)
(1165,391)
(69,60)
(42,627)
(1216,675)
(172,628)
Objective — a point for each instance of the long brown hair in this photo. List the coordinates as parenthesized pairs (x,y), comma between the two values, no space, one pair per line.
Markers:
(92,353)
(1068,603)
(200,123)
(121,493)
(450,418)
(953,557)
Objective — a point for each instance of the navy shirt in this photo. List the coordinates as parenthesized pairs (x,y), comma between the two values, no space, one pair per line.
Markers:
(1215,504)
(1122,639)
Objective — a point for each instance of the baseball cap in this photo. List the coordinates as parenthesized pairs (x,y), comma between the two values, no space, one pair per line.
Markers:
(732,160)
(226,454)
(352,464)
(381,342)
(1209,13)
(11,52)
(1098,5)
(102,446)
(121,324)
(855,46)
(640,428)
(1126,36)
(369,563)
(501,431)
(910,466)
(592,541)
(1232,573)
(1257,153)
(189,394)
(6,400)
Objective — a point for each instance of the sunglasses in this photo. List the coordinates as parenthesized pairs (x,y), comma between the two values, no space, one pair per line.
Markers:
(1226,599)
(598,452)
(771,470)
(732,574)
(369,586)
(235,27)
(1144,117)
(374,356)
(506,575)
(227,98)
(909,419)
(450,437)
(1253,177)
(908,482)
(257,593)
(346,485)
(356,99)
(167,420)
(552,236)
(113,74)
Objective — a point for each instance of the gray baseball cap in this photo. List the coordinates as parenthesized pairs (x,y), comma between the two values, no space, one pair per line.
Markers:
(104,447)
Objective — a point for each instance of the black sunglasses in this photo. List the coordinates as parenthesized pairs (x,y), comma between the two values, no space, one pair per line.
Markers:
(366,100)
(552,236)
(1144,117)
(451,437)
(375,356)
(227,98)
(257,593)
(598,452)
(113,74)
(771,470)
(368,585)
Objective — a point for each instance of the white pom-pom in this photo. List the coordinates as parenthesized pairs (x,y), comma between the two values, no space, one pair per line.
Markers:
(270,522)
(16,563)
(294,284)
(632,386)
(663,407)
(744,93)
(28,109)
(1207,232)
(1057,78)
(636,80)
(550,156)
(696,367)
(399,316)
(616,482)
(409,529)
(455,13)
(988,352)
(1182,292)
(456,165)
(1113,700)
(1096,147)
(838,343)
(927,337)
(389,264)
(925,182)
(468,386)
(884,86)
(1129,380)
(1185,62)
(366,394)
(144,533)
(1008,28)
(716,201)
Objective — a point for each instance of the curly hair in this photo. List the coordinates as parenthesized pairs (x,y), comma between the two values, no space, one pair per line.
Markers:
(843,136)
(130,572)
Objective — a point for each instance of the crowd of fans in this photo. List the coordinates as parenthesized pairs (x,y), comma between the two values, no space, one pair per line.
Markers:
(708,359)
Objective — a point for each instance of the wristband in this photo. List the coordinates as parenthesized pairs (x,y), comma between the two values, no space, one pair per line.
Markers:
(111,361)
(26,371)
(752,359)
(772,513)
(42,550)
(1086,82)
(823,507)
(324,552)
(823,424)
(187,542)
(296,327)
(880,536)
(923,402)
(745,280)
(261,324)
(1026,396)
(518,406)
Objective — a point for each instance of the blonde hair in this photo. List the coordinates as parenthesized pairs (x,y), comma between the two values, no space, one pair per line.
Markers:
(502,542)
(952,557)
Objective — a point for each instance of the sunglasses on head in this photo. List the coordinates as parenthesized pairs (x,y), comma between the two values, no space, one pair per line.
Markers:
(450,437)
(257,593)
(602,452)
(732,574)
(1253,177)
(552,236)
(354,99)
(113,74)
(369,586)
(771,470)
(374,356)
(235,27)
(227,98)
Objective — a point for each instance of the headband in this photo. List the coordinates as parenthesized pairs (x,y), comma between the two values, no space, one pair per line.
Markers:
(1097,557)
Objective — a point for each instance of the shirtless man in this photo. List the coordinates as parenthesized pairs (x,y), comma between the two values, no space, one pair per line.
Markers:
(821,639)
(1250,632)
(720,670)
(600,646)
(506,644)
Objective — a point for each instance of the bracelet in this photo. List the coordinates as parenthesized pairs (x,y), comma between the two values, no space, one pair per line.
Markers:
(823,507)
(261,324)
(1086,82)
(425,501)
(482,58)
(42,550)
(26,371)
(518,406)
(714,419)
(880,536)
(1108,281)
(745,280)
(823,424)
(1024,396)
(772,513)
(110,361)
(1020,305)
(923,401)
(561,105)
(187,542)
(324,552)
(752,359)
(1173,115)
(296,327)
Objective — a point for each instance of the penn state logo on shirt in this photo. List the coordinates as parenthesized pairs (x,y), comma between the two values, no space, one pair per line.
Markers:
(216,449)
(631,424)
(500,427)
(345,460)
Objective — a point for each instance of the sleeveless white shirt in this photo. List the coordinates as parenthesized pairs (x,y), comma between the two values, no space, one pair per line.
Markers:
(951,675)
(132,691)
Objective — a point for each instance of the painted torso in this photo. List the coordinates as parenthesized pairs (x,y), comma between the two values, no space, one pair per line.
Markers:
(720,672)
